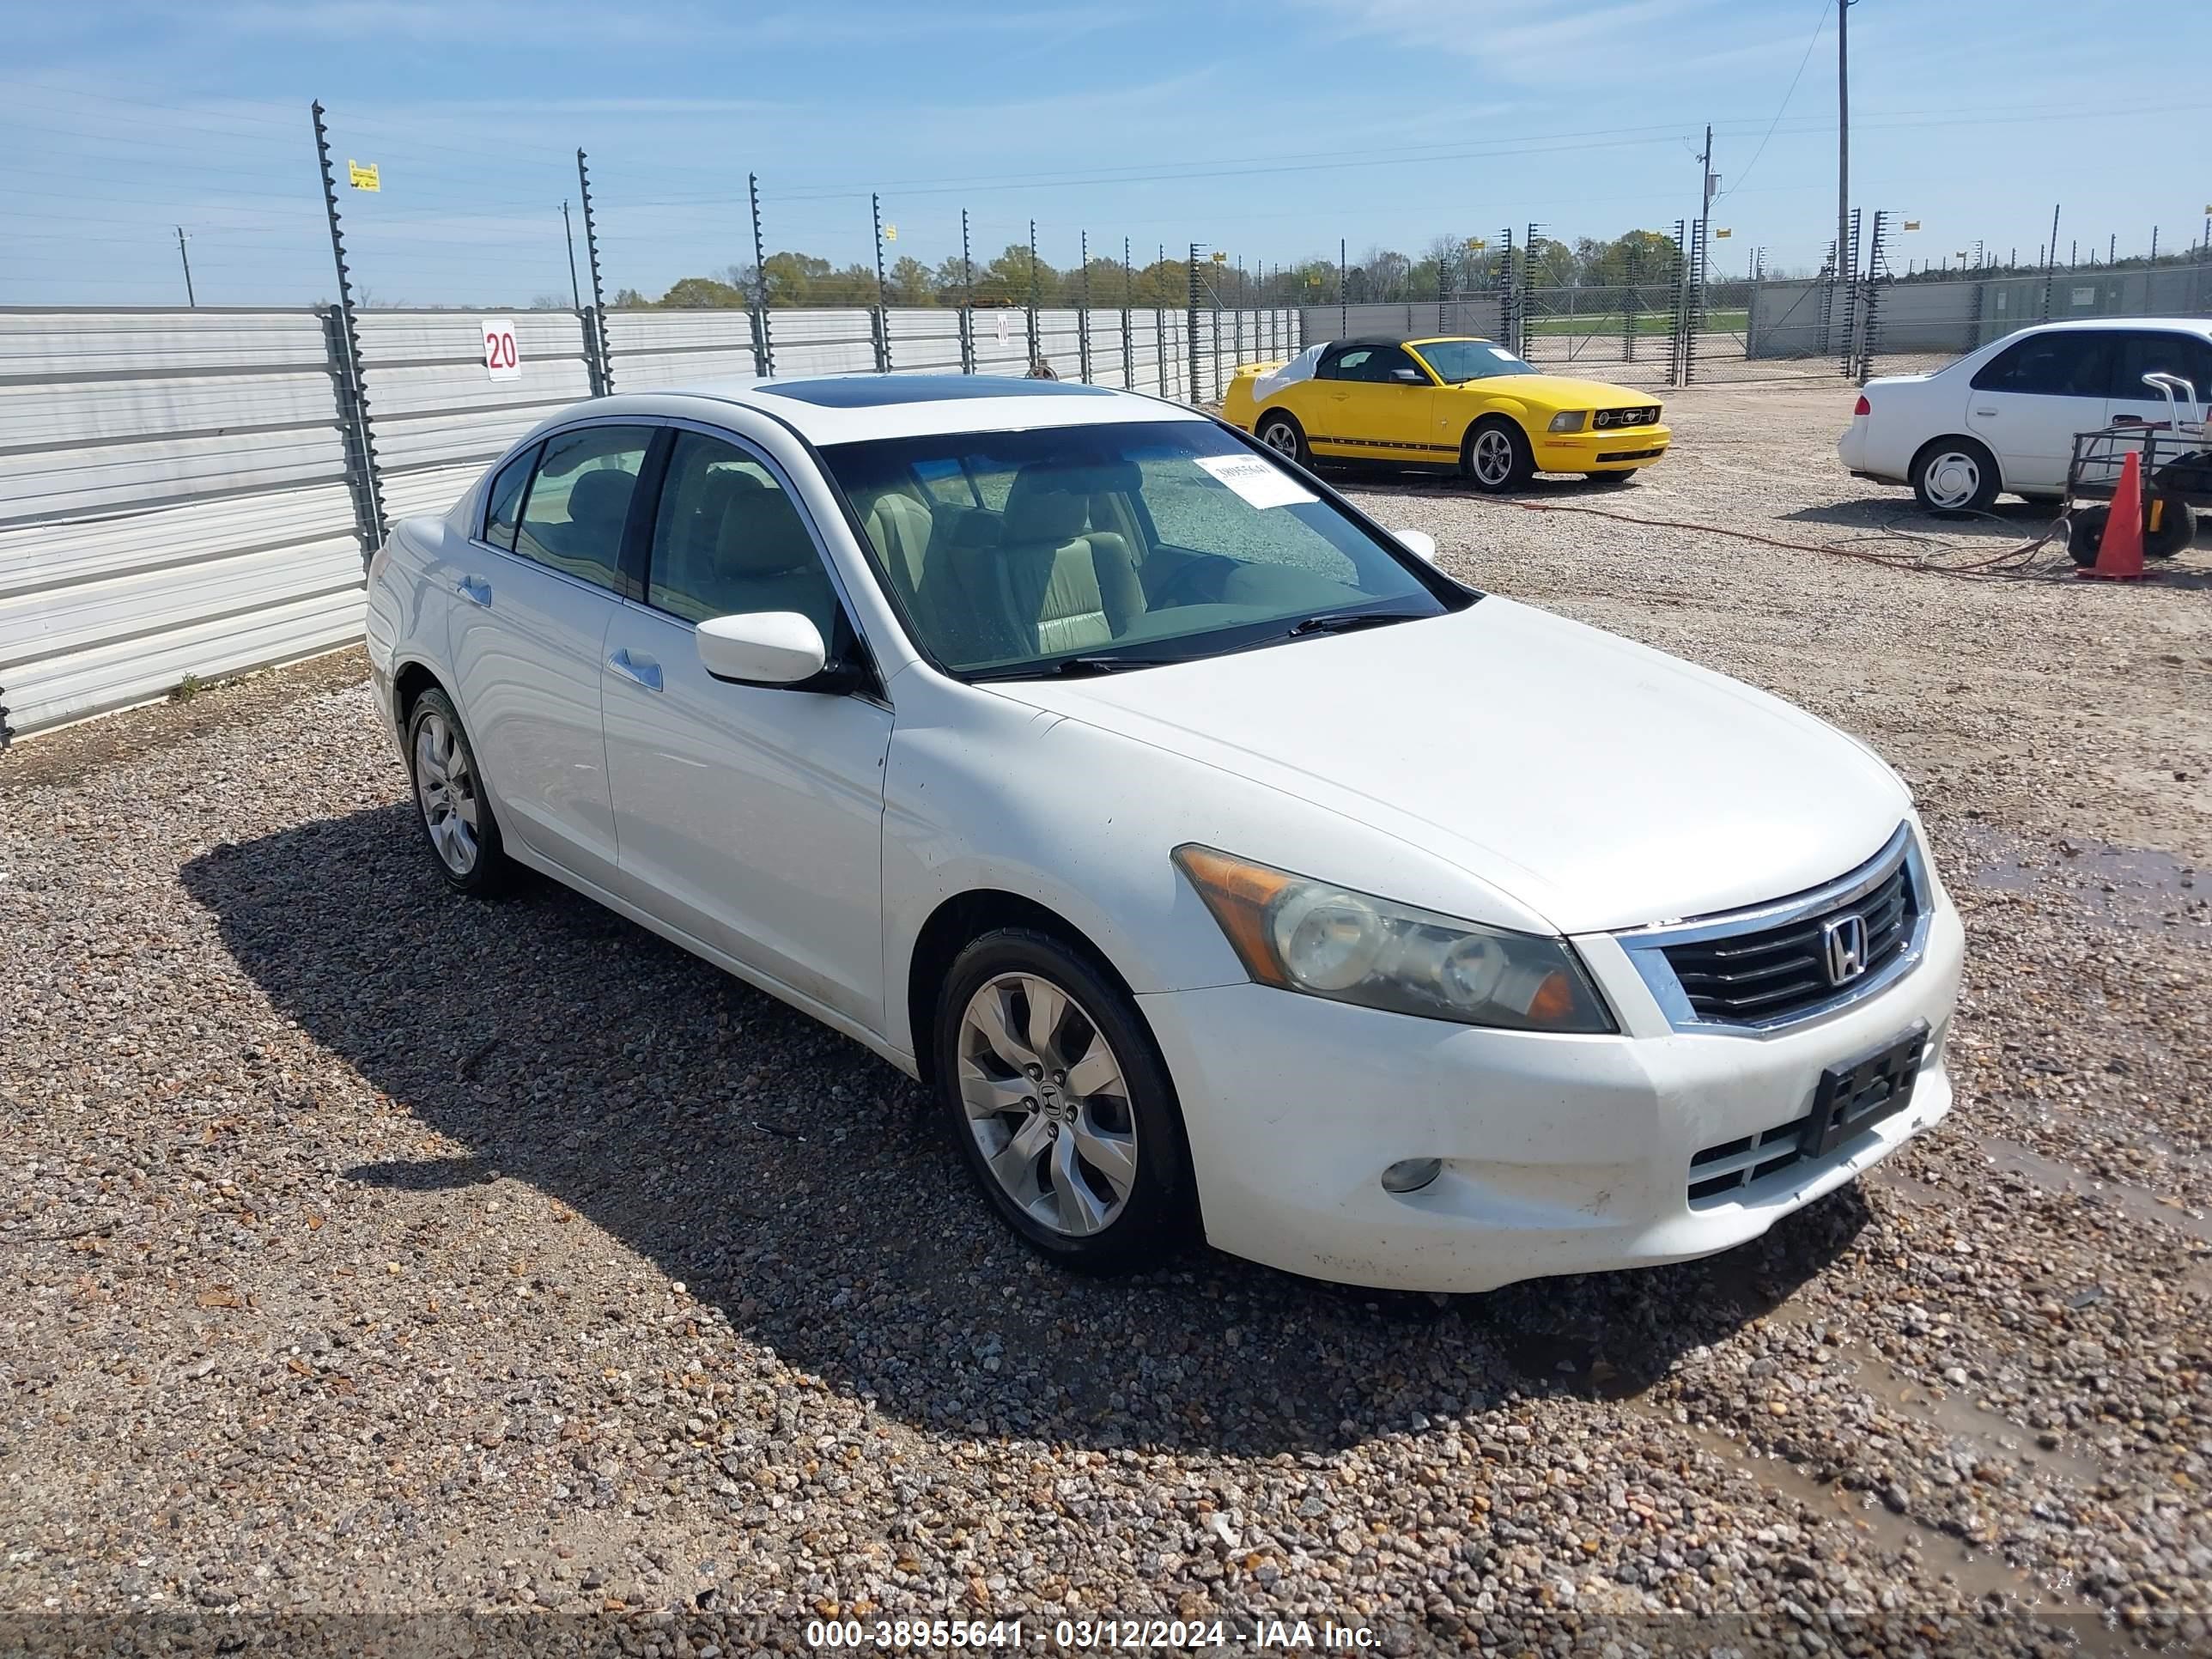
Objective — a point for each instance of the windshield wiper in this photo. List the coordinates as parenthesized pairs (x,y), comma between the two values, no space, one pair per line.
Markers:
(1069,668)
(1344,622)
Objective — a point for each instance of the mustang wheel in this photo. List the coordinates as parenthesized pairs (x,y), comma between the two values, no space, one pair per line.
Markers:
(1060,1105)
(1281,434)
(456,819)
(1496,456)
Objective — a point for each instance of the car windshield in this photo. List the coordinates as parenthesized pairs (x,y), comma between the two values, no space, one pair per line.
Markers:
(1087,549)
(1457,361)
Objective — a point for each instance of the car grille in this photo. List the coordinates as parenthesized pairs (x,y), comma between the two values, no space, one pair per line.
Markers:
(1776,972)
(1719,1170)
(1628,454)
(1648,414)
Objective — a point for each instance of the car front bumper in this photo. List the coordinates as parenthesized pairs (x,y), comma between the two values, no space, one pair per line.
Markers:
(1599,452)
(1561,1154)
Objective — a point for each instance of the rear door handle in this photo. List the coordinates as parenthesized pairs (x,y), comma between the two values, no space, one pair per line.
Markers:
(1985,411)
(476,590)
(638,670)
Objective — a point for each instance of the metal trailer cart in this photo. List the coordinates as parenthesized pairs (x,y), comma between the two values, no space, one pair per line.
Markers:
(2176,459)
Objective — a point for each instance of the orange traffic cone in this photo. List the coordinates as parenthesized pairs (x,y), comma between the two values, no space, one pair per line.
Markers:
(2119,556)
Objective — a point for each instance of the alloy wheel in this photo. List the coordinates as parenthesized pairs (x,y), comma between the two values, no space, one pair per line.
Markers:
(445,791)
(1282,437)
(1493,456)
(1044,1096)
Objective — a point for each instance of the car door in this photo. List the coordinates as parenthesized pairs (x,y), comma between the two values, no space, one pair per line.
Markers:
(749,817)
(2167,351)
(2028,402)
(531,604)
(1366,410)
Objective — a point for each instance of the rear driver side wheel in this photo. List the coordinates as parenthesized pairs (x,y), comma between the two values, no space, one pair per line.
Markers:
(1282,433)
(1956,474)
(451,808)
(1059,1103)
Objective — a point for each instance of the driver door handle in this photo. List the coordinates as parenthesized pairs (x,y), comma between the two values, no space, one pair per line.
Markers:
(1985,411)
(638,670)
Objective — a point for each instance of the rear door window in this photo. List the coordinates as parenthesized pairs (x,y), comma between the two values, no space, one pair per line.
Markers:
(2145,351)
(577,508)
(2064,363)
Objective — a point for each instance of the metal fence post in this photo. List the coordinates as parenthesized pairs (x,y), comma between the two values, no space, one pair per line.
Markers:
(879,319)
(1037,350)
(764,350)
(1190,325)
(1128,356)
(1082,312)
(605,365)
(343,335)
(1677,303)
(967,301)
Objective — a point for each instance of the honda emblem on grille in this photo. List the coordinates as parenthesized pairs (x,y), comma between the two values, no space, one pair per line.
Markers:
(1844,938)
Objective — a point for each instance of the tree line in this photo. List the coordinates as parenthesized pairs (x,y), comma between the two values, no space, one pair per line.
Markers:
(1448,265)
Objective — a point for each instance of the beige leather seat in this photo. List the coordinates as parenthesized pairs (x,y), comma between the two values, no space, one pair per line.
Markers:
(763,559)
(1061,587)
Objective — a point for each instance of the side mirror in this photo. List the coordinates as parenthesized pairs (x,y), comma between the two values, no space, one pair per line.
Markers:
(1418,541)
(1409,377)
(762,648)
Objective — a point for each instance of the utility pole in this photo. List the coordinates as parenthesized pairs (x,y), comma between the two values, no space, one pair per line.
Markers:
(1843,131)
(187,259)
(568,233)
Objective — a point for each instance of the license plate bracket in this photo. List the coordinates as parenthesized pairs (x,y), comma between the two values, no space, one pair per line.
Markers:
(1860,1093)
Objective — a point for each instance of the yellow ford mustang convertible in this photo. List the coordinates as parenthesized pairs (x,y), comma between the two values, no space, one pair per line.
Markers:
(1461,402)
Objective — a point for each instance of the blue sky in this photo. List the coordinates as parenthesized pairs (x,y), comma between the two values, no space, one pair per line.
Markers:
(1267,130)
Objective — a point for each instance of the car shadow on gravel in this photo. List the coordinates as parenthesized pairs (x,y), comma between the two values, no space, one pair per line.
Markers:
(789,1178)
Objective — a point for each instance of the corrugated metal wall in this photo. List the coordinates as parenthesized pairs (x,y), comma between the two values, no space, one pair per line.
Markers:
(173,501)
(174,492)
(1478,314)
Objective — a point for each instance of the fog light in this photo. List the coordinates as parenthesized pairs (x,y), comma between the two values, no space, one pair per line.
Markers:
(1410,1175)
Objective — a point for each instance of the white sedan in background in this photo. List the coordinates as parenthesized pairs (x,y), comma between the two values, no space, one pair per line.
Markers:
(2004,417)
(1227,868)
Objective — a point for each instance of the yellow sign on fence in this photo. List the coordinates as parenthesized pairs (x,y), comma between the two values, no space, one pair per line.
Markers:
(891,232)
(363,178)
(1912,224)
(1723,235)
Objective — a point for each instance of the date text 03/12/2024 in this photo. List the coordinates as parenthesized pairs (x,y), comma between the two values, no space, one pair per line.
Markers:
(1087,1635)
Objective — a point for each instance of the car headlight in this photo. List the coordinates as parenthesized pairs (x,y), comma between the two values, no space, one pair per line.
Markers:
(1573,420)
(1309,936)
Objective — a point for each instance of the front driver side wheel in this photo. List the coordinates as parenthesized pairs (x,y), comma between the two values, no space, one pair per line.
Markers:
(1496,456)
(1060,1105)
(450,806)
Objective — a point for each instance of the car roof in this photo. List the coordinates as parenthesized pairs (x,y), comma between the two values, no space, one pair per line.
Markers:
(834,409)
(2192,324)
(1405,339)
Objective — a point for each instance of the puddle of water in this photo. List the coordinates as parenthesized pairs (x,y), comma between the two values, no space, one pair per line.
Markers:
(2137,1203)
(2138,889)
(1978,1574)
(1958,1416)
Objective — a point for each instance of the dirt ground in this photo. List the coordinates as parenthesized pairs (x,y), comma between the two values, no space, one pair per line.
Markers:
(369,1253)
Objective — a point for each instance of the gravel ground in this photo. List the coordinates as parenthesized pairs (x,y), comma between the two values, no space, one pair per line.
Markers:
(370,1253)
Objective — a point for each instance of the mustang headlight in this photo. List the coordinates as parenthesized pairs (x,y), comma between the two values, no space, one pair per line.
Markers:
(1325,941)
(1572,419)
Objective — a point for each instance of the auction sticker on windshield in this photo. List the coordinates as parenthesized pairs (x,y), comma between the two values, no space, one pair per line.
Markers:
(1257,481)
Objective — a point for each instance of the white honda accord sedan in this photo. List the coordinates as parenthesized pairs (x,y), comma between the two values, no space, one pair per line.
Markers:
(1226,868)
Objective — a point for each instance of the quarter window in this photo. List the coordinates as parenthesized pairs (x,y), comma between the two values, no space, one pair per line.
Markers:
(730,539)
(2064,363)
(578,503)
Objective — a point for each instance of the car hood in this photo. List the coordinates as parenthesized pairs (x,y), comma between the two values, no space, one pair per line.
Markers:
(1558,391)
(1601,784)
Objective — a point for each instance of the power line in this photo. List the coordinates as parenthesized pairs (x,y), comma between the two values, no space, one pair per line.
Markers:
(1785,107)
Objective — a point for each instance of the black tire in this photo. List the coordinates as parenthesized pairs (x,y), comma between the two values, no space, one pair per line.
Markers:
(1281,431)
(488,871)
(1956,474)
(1517,470)
(1159,1213)
(2177,530)
(2085,534)
(1612,475)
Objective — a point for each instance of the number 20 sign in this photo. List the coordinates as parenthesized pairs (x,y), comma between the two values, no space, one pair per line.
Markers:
(501,363)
